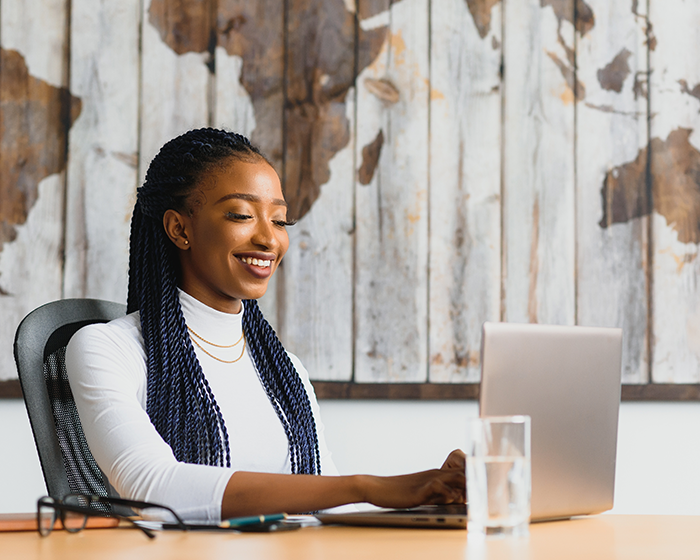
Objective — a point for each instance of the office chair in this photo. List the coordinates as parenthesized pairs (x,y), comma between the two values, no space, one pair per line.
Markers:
(40,348)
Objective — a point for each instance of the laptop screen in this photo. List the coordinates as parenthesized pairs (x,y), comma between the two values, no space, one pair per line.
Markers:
(567,379)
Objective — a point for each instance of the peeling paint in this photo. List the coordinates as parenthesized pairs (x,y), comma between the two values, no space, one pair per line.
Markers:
(370,159)
(371,8)
(465,359)
(611,109)
(564,10)
(34,121)
(436,94)
(695,92)
(675,168)
(130,159)
(680,260)
(640,84)
(567,96)
(398,48)
(481,14)
(576,86)
(383,89)
(651,41)
(613,75)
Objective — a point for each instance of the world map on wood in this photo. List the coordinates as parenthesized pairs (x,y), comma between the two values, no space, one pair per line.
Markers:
(450,161)
(322,61)
(34,121)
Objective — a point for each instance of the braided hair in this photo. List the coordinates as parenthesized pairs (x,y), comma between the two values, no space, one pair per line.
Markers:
(180,403)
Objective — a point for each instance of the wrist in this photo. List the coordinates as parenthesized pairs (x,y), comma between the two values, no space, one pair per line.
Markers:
(361,487)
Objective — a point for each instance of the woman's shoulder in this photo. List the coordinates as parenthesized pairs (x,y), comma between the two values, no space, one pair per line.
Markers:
(120,337)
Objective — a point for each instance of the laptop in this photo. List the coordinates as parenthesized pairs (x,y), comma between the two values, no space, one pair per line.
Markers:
(567,379)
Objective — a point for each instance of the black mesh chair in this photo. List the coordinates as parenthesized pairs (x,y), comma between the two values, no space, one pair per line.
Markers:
(40,348)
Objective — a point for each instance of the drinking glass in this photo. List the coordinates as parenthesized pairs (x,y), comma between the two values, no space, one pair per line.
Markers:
(498,476)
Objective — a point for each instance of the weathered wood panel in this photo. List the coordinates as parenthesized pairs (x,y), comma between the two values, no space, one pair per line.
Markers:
(175,83)
(612,274)
(400,252)
(250,88)
(318,274)
(103,152)
(465,184)
(317,314)
(675,169)
(538,170)
(391,288)
(36,112)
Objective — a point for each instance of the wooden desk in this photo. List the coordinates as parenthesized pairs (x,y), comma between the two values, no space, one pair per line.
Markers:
(594,538)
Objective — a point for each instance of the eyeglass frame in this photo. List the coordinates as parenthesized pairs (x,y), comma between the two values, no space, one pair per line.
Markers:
(60,508)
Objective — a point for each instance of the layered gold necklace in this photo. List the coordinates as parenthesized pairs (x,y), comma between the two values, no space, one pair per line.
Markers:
(194,336)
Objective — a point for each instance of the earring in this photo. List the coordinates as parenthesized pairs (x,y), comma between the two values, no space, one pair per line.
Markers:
(187,242)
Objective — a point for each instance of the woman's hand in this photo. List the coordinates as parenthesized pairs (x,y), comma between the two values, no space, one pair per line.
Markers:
(438,486)
(428,487)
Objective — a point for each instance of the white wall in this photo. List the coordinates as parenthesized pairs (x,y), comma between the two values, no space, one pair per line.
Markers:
(658,469)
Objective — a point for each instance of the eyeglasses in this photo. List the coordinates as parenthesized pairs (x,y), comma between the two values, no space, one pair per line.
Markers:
(74,510)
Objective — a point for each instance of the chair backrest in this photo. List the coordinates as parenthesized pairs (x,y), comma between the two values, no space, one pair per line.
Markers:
(40,346)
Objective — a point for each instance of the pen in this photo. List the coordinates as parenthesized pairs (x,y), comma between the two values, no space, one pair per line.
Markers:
(252,520)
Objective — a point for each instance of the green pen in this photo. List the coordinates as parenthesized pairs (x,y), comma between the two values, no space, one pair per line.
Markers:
(252,520)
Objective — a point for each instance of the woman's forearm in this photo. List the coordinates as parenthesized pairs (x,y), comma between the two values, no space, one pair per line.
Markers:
(251,493)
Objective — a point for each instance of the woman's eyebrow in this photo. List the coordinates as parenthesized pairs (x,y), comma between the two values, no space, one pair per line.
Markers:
(251,198)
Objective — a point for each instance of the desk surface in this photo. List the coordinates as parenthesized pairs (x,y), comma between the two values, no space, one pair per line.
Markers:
(601,538)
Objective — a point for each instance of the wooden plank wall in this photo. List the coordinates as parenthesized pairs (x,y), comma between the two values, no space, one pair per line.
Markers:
(451,162)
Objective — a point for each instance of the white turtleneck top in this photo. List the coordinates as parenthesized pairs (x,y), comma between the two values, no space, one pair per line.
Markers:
(106,365)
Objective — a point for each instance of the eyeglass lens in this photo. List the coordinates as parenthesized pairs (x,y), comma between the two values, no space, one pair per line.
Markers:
(47,516)
(74,521)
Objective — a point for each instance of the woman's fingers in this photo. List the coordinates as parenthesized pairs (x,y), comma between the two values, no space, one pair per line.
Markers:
(428,487)
(455,460)
(446,490)
(443,493)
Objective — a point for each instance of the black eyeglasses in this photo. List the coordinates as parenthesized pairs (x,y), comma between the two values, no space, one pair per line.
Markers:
(74,509)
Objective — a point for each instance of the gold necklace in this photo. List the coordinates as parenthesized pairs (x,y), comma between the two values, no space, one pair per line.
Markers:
(200,337)
(218,346)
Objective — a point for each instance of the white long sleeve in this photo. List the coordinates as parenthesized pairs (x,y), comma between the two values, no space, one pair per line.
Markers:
(106,366)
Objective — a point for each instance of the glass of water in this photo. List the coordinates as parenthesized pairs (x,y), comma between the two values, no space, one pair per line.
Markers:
(498,476)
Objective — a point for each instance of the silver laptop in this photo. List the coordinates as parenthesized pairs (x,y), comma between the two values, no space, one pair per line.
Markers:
(568,380)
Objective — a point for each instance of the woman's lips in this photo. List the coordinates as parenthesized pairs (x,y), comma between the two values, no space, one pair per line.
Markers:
(258,267)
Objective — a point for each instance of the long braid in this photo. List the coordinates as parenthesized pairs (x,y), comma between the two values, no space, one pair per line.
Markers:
(180,402)
(285,390)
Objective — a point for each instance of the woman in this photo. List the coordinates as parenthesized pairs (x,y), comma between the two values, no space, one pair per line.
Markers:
(191,400)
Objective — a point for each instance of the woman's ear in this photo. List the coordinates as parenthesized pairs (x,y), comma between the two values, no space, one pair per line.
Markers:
(176,226)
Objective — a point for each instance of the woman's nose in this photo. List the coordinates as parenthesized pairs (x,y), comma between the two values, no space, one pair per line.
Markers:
(264,235)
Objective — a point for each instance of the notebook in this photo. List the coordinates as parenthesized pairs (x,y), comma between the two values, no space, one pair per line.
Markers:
(568,380)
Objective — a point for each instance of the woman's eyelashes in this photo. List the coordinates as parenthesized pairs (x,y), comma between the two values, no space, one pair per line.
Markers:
(284,223)
(243,217)
(235,216)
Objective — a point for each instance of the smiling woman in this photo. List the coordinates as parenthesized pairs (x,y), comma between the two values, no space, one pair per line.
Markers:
(191,400)
(233,238)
